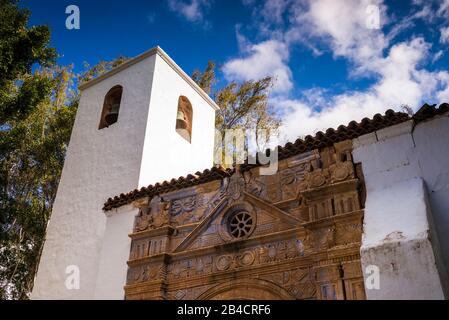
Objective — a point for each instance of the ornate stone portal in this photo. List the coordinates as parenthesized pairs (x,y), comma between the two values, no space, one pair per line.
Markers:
(292,235)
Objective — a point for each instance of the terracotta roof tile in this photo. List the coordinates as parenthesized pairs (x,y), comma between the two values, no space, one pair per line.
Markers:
(309,143)
(215,173)
(331,136)
(430,111)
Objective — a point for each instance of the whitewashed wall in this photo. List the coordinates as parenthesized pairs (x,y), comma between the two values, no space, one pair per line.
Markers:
(114,254)
(98,165)
(166,154)
(399,235)
(432,139)
(141,148)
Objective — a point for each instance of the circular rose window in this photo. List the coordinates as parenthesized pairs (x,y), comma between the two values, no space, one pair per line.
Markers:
(241,224)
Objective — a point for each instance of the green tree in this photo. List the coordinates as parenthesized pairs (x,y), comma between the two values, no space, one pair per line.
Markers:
(21,91)
(32,168)
(205,79)
(37,111)
(37,146)
(100,68)
(242,106)
(21,47)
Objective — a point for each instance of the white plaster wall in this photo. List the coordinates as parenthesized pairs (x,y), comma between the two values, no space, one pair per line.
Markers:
(432,152)
(396,239)
(99,164)
(141,148)
(386,156)
(114,254)
(397,235)
(166,154)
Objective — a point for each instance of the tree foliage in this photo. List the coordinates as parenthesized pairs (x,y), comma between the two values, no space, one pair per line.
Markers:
(31,170)
(242,106)
(22,132)
(101,67)
(21,47)
(32,157)
(38,104)
(205,79)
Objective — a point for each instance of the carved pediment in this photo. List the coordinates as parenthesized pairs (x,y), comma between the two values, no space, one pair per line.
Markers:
(298,230)
(239,214)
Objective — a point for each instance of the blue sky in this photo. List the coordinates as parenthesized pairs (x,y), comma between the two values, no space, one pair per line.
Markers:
(334,61)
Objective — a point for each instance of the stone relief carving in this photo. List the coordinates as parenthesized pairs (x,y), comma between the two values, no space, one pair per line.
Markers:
(257,255)
(144,273)
(341,171)
(299,282)
(318,176)
(254,185)
(155,215)
(309,186)
(235,186)
(187,210)
(189,293)
(183,205)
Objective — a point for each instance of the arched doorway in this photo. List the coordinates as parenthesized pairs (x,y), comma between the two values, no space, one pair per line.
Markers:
(251,289)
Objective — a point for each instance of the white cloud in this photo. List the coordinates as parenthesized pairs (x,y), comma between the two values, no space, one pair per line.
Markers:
(444,35)
(443,10)
(341,27)
(268,58)
(269,12)
(437,56)
(273,11)
(443,94)
(192,10)
(401,82)
(242,41)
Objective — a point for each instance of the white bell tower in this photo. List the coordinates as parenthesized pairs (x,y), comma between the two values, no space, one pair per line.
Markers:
(144,122)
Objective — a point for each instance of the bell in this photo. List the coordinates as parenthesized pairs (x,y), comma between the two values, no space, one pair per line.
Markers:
(181,115)
(182,125)
(112,115)
(181,122)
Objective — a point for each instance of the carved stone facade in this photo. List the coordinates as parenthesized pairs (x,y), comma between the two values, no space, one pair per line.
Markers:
(292,235)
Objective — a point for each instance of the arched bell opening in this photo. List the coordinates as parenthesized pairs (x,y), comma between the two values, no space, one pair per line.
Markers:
(184,118)
(111,107)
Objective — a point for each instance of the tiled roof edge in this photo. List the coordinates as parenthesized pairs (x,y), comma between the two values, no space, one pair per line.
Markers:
(354,130)
(429,111)
(215,173)
(320,140)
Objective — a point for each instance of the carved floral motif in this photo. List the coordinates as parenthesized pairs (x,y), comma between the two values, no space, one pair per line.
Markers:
(341,171)
(183,205)
(299,282)
(154,216)
(301,214)
(144,273)
(269,253)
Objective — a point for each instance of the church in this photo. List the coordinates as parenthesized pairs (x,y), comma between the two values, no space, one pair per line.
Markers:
(352,213)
